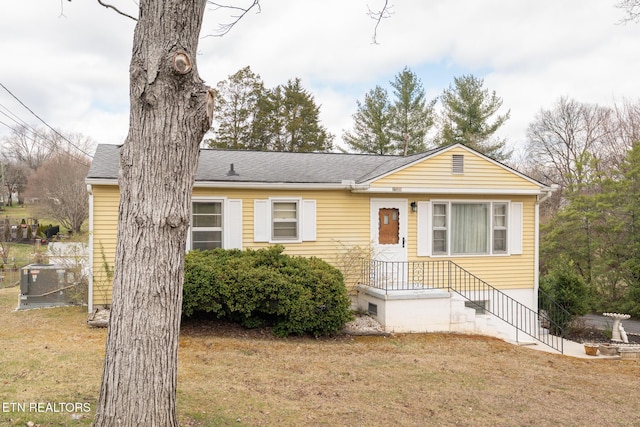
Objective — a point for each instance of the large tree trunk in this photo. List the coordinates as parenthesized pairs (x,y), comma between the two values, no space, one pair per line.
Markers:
(170,112)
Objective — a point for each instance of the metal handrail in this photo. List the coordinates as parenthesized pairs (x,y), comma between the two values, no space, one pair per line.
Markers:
(393,276)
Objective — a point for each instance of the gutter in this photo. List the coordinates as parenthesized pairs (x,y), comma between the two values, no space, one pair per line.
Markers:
(344,185)
(550,191)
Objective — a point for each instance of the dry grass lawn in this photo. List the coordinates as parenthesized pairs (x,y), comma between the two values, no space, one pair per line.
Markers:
(231,377)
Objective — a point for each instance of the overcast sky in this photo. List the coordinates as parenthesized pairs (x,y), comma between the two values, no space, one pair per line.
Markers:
(68,61)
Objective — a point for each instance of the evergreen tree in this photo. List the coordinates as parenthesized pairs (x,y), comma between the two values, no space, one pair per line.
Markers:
(467,111)
(251,117)
(288,119)
(411,116)
(621,197)
(235,110)
(371,125)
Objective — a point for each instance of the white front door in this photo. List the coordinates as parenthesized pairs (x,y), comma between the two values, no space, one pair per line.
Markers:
(389,229)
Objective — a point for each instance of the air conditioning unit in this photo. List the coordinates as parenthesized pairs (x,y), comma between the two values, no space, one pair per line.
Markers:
(47,285)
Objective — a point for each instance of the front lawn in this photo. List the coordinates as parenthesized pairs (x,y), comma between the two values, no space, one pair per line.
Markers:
(229,376)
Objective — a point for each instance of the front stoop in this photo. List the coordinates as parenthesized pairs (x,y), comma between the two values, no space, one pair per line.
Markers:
(427,310)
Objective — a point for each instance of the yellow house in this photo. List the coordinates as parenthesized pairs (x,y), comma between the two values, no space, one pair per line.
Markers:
(451,206)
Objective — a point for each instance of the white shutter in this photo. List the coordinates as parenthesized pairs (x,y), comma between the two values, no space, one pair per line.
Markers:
(424,228)
(515,229)
(308,225)
(261,221)
(233,226)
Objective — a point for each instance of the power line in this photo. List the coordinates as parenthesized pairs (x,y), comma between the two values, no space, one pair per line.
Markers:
(45,123)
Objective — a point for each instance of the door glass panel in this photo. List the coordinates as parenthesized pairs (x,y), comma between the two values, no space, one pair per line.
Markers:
(388,226)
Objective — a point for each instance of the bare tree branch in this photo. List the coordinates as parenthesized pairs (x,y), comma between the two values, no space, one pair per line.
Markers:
(62,15)
(378,16)
(109,6)
(632,9)
(240,12)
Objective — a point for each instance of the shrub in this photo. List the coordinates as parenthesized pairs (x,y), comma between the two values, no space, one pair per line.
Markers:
(294,295)
(566,287)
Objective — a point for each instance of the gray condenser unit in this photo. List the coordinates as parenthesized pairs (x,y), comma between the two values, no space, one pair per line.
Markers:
(46,285)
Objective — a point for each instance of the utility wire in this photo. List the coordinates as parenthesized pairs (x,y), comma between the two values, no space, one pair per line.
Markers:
(45,123)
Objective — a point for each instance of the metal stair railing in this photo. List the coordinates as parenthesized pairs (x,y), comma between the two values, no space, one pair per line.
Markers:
(509,310)
(392,276)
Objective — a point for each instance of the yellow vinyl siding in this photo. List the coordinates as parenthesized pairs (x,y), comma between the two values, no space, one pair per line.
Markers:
(436,172)
(342,218)
(342,233)
(105,227)
(500,271)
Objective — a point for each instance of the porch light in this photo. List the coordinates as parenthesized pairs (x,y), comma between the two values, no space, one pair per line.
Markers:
(414,207)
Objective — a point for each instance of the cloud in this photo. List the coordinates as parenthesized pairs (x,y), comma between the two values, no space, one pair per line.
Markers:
(71,65)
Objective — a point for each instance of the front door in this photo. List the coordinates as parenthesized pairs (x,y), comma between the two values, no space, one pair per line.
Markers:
(389,229)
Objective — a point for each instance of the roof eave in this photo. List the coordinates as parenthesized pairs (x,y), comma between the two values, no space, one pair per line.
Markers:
(454,191)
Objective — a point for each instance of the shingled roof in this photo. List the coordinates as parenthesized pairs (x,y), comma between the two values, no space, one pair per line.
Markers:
(272,167)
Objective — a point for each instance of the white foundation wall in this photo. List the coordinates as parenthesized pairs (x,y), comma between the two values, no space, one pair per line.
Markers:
(435,310)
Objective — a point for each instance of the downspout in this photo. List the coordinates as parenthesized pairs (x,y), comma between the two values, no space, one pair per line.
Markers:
(536,275)
(90,290)
(550,191)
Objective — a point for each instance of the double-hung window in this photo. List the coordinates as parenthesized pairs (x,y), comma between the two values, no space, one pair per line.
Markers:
(284,219)
(206,225)
(469,228)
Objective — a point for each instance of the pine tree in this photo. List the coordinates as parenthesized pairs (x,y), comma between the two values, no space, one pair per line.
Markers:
(411,116)
(300,119)
(371,125)
(467,111)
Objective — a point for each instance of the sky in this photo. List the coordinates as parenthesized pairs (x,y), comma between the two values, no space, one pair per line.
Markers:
(67,61)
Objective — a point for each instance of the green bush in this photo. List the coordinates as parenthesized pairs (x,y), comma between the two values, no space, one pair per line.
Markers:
(567,288)
(294,295)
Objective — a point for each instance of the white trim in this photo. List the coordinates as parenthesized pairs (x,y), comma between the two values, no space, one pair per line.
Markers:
(205,199)
(261,220)
(308,220)
(464,147)
(510,223)
(402,205)
(298,202)
(91,225)
(447,191)
(423,229)
(536,254)
(232,230)
(345,185)
(515,227)
(101,181)
(273,185)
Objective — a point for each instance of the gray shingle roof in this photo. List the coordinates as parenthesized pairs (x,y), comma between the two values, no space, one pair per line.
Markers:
(272,167)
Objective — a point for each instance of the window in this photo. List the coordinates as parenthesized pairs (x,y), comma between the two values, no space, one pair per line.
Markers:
(284,220)
(206,225)
(440,228)
(499,228)
(284,216)
(469,228)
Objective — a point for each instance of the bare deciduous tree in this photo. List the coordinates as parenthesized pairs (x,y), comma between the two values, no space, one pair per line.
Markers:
(30,146)
(631,9)
(14,175)
(563,140)
(59,188)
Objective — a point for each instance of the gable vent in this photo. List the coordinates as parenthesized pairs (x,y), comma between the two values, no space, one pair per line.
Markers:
(457,163)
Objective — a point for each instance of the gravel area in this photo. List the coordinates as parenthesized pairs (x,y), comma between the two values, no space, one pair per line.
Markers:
(364,325)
